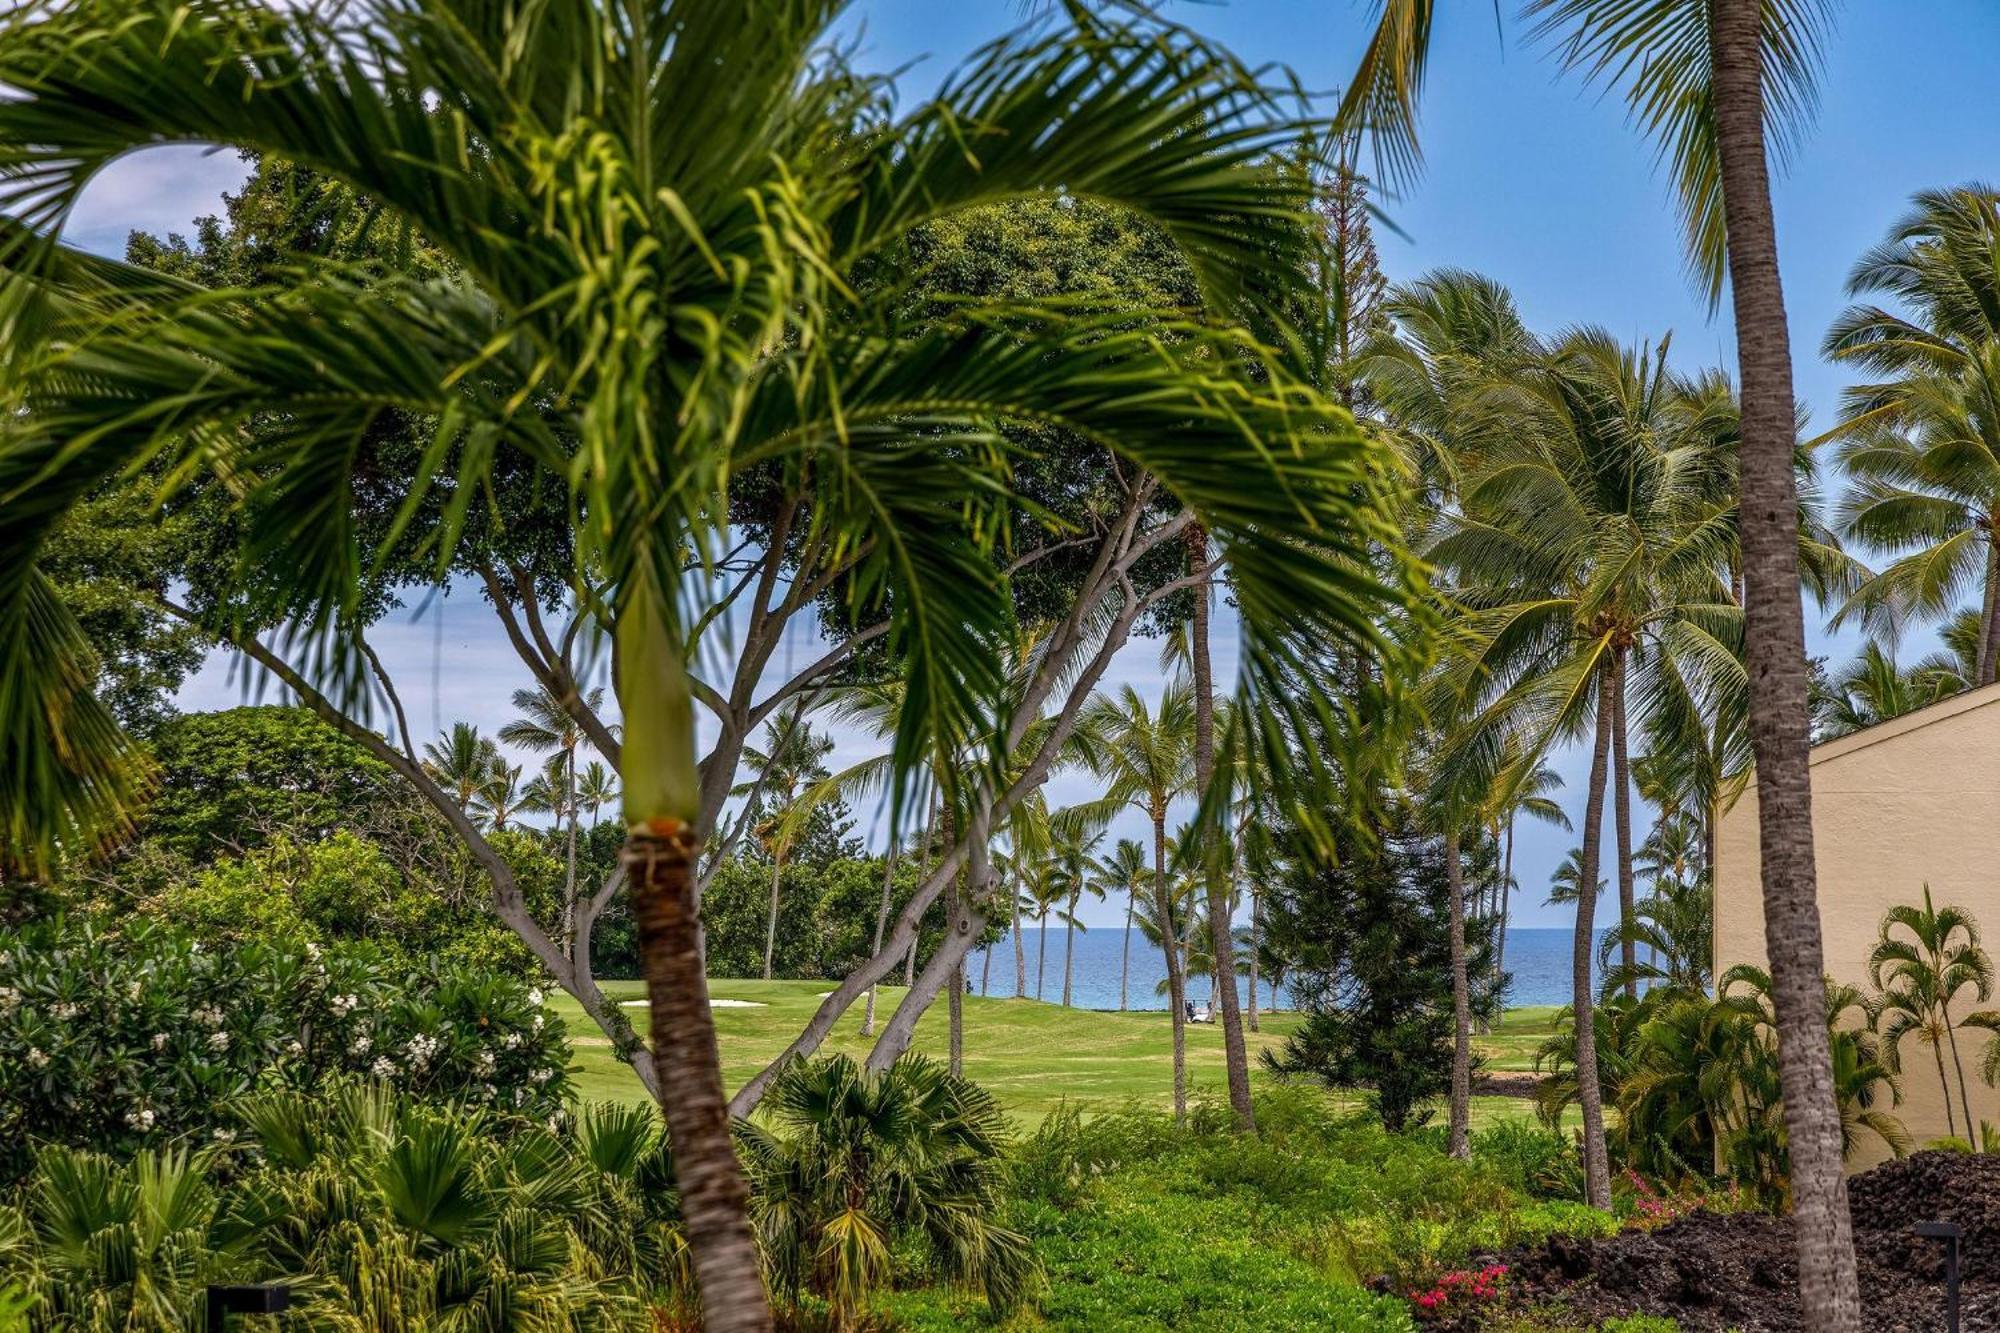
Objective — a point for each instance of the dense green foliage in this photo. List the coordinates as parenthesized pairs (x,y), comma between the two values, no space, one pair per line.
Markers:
(378,1210)
(1369,953)
(112,1038)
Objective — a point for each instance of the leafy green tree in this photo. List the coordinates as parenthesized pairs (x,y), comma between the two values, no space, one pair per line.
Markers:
(1925,959)
(1367,941)
(649,295)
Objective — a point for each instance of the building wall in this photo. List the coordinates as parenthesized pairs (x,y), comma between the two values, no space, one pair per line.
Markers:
(1913,801)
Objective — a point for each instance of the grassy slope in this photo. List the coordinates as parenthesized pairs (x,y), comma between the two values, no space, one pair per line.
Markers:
(1031,1056)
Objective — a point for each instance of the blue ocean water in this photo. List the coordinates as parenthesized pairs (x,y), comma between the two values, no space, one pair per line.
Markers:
(1538,958)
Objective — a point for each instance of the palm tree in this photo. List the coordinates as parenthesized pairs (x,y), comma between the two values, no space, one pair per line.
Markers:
(653,286)
(499,798)
(1923,454)
(794,756)
(1072,867)
(1706,81)
(1566,880)
(1926,957)
(596,787)
(1124,870)
(1146,758)
(545,725)
(855,1164)
(1873,688)
(1530,796)
(1675,925)
(461,760)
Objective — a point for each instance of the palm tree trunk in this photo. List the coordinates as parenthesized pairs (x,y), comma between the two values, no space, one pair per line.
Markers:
(1041,951)
(881,925)
(1069,945)
(1020,952)
(1944,1085)
(955,1005)
(1989,633)
(1169,945)
(714,1197)
(930,840)
(771,917)
(1621,816)
(1458,1139)
(1221,944)
(1958,1065)
(1583,995)
(1255,944)
(569,876)
(1776,657)
(985,969)
(1506,888)
(1125,963)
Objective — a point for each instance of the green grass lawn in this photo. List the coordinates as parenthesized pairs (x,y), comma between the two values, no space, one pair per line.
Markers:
(1032,1056)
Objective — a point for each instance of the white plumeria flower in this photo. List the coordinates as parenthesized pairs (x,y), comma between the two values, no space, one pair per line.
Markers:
(160,1040)
(295,1047)
(65,1012)
(535,996)
(511,1040)
(37,1058)
(362,1045)
(141,1119)
(218,1041)
(10,1000)
(383,1067)
(343,1005)
(225,1136)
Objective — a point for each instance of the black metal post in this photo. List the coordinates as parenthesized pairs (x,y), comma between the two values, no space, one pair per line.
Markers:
(250,1298)
(1951,1235)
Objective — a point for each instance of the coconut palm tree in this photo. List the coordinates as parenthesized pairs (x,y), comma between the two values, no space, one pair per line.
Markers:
(1072,865)
(793,757)
(1124,871)
(1923,453)
(1675,926)
(460,761)
(1707,82)
(1925,959)
(545,726)
(499,798)
(596,787)
(655,217)
(1145,756)
(1873,688)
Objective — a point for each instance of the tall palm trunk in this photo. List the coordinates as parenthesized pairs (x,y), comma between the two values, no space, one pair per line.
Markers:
(923,868)
(661,847)
(1458,1139)
(1958,1066)
(771,916)
(881,926)
(1944,1086)
(569,875)
(1989,632)
(955,895)
(1041,950)
(1590,1094)
(1506,889)
(1621,815)
(714,1197)
(985,968)
(1222,946)
(1774,639)
(1125,962)
(1069,945)
(1255,913)
(1020,952)
(1170,946)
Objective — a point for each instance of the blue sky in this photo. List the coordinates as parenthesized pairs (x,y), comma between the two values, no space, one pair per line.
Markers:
(1530,177)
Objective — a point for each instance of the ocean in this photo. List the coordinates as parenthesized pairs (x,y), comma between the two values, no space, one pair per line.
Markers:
(1538,958)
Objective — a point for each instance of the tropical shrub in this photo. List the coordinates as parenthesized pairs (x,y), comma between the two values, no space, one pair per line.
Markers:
(378,1210)
(115,1038)
(859,1177)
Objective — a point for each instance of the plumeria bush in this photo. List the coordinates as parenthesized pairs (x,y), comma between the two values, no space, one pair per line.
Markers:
(119,1037)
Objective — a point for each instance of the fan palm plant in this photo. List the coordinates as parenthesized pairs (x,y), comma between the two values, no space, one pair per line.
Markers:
(1926,957)
(1145,756)
(1712,84)
(856,1170)
(653,214)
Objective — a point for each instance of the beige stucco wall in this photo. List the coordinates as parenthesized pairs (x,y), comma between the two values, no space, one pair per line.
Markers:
(1913,801)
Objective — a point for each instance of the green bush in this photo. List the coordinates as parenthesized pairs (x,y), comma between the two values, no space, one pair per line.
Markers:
(119,1038)
(377,1210)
